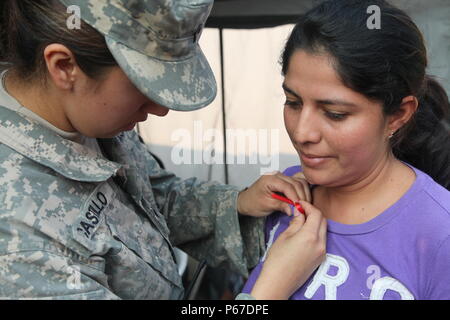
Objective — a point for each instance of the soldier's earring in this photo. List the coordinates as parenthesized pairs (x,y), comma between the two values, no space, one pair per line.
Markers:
(392,134)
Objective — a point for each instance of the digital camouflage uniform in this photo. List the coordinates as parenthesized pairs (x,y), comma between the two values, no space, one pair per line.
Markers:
(77,224)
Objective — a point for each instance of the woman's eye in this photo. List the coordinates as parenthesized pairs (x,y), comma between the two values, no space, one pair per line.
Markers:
(335,116)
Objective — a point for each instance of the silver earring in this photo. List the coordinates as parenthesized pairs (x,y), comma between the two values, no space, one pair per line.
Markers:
(392,134)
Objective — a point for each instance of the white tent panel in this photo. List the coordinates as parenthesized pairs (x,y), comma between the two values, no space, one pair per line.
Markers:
(256,139)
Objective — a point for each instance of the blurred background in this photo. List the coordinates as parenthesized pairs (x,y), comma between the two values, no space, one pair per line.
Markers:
(241,134)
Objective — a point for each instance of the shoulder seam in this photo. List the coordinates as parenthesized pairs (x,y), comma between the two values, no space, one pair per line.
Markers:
(436,200)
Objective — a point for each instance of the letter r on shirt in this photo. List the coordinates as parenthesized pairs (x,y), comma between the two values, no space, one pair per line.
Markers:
(330,282)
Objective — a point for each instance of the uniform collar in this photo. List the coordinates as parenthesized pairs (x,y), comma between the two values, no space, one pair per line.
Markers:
(42,145)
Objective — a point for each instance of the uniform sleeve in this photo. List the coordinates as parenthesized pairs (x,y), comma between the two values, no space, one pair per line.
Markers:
(40,274)
(203,221)
(201,216)
(439,277)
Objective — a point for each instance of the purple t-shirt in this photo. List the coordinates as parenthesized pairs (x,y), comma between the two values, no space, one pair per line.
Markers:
(403,253)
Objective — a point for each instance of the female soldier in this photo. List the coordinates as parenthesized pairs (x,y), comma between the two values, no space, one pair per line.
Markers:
(371,130)
(86,211)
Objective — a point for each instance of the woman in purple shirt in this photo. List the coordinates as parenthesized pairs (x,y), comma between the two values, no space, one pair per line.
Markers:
(371,129)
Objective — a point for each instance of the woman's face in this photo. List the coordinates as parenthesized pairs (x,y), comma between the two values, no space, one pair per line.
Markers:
(104,108)
(328,120)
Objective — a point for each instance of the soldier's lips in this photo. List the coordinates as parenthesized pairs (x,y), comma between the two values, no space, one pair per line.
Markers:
(133,124)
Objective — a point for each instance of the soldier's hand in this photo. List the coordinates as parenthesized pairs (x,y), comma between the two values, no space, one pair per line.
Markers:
(294,256)
(257,200)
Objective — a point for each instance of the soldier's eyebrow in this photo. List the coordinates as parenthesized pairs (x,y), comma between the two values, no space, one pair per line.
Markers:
(290,91)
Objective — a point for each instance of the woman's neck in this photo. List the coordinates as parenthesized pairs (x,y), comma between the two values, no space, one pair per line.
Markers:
(369,197)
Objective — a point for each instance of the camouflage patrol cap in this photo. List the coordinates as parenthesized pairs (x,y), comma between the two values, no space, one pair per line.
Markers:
(155,42)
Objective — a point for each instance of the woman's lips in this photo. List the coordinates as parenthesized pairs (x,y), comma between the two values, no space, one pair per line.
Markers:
(313,161)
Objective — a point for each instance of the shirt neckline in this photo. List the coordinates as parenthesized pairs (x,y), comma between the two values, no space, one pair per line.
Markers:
(383,218)
(387,215)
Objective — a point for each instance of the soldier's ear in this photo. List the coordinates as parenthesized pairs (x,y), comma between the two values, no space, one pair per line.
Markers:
(62,67)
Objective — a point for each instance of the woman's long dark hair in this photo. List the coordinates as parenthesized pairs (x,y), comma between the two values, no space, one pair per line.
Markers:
(386,65)
(28,26)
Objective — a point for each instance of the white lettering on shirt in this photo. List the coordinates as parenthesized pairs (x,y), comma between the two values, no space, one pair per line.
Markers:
(330,282)
(380,287)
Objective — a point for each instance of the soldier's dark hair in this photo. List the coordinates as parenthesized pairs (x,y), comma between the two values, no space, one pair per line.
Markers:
(27,27)
(385,65)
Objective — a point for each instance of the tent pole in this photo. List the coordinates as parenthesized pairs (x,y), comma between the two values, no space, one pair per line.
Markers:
(224,122)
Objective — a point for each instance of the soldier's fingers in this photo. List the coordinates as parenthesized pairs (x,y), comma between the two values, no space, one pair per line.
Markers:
(323,230)
(301,192)
(313,216)
(275,184)
(286,208)
(295,225)
(300,176)
(306,189)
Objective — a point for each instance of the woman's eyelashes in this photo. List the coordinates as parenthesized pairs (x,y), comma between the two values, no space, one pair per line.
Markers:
(296,104)
(335,116)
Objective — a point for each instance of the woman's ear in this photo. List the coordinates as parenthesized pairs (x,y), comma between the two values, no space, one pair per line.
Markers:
(408,108)
(61,66)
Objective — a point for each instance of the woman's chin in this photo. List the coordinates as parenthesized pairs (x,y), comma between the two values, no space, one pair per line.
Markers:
(314,178)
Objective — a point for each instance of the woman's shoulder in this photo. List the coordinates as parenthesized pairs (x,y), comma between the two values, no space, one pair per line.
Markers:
(434,204)
(426,210)
(433,194)
(290,171)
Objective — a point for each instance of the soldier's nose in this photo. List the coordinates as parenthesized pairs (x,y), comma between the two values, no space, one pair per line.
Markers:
(156,109)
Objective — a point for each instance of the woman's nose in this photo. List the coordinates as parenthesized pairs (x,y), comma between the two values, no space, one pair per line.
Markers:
(307,129)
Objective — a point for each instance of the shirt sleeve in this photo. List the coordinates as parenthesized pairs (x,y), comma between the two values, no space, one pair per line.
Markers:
(40,274)
(203,221)
(439,277)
